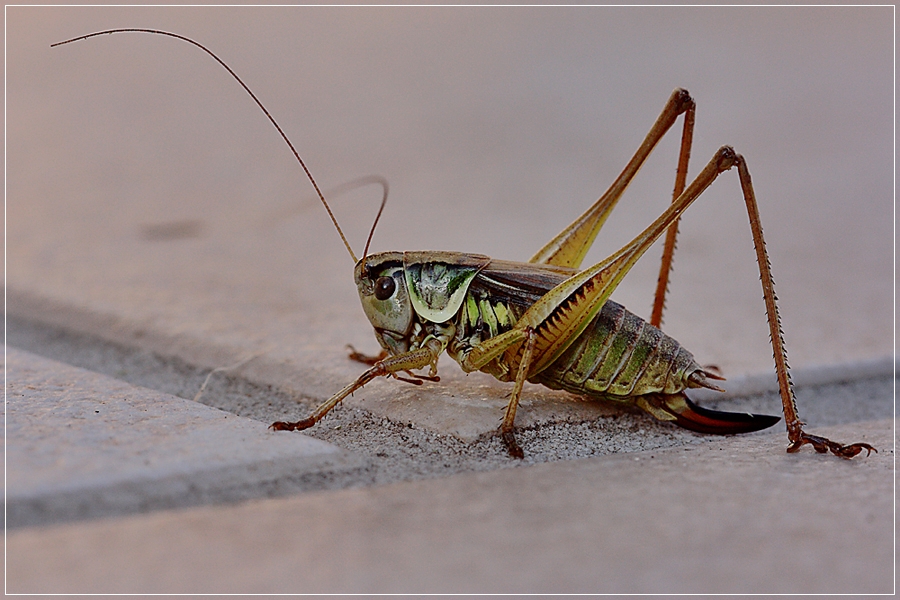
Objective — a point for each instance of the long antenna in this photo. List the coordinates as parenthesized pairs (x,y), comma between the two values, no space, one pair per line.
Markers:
(255,99)
(384,185)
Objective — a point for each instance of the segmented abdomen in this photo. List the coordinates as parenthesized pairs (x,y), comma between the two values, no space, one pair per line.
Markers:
(620,354)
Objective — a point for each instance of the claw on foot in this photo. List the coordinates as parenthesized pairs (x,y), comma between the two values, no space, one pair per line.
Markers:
(284,426)
(509,439)
(823,445)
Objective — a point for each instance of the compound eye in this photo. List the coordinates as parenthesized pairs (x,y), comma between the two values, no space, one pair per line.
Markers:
(384,287)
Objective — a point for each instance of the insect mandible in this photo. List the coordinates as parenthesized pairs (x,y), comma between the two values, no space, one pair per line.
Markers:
(547,321)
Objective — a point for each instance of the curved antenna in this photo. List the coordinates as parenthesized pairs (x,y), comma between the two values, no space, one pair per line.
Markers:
(277,217)
(255,99)
(384,185)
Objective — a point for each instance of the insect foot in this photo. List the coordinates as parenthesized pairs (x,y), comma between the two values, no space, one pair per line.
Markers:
(509,439)
(299,425)
(823,445)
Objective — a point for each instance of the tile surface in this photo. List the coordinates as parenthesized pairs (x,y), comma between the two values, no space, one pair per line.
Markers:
(81,445)
(737,515)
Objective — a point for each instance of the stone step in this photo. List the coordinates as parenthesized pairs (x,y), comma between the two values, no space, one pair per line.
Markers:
(732,515)
(82,445)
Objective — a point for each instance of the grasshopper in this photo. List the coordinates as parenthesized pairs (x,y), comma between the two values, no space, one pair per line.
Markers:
(548,321)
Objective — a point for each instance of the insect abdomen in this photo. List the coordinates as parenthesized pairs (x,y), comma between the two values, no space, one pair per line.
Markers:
(620,355)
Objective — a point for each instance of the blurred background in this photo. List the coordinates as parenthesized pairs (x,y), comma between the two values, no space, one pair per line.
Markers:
(143,183)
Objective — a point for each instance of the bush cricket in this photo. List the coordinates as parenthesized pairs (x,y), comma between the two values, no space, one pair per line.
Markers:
(547,321)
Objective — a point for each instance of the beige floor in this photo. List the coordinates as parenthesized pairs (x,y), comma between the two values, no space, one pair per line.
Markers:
(737,516)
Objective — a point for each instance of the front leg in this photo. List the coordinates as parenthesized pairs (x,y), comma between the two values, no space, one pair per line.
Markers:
(415,359)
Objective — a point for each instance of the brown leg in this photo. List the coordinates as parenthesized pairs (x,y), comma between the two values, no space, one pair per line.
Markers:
(665,268)
(416,359)
(506,428)
(796,435)
(367,359)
